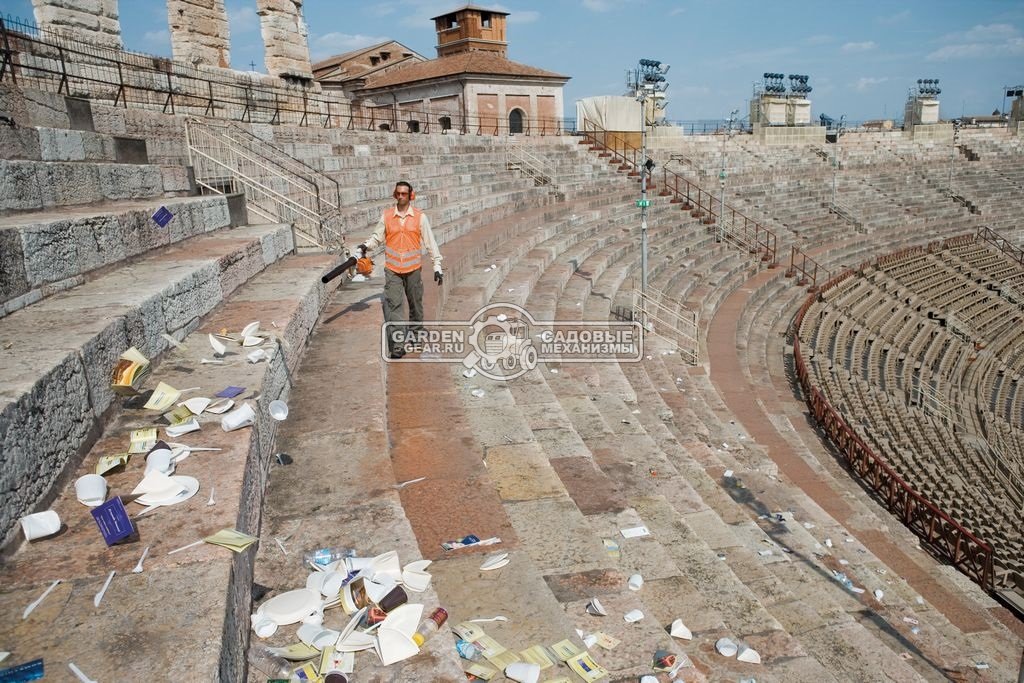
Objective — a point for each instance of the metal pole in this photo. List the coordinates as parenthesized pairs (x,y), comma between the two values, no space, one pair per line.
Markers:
(643,197)
(835,167)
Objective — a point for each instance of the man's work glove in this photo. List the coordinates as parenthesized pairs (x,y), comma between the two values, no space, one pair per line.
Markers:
(360,251)
(438,277)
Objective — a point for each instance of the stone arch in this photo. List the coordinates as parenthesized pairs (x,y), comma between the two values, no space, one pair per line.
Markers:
(516,118)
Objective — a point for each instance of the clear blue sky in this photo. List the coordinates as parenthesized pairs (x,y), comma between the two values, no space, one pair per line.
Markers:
(861,56)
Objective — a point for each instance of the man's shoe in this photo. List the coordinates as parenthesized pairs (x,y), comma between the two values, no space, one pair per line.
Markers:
(396,354)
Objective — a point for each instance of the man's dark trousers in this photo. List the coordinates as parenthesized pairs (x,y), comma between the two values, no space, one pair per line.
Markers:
(399,286)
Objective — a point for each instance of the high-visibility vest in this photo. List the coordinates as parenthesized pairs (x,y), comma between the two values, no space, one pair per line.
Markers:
(403,242)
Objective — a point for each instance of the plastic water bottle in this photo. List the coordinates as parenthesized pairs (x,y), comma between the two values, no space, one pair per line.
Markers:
(430,625)
(271,665)
(325,556)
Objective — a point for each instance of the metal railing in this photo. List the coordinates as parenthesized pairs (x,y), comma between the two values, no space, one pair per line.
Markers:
(737,227)
(809,269)
(963,549)
(679,329)
(1002,244)
(47,60)
(517,158)
(277,187)
(846,213)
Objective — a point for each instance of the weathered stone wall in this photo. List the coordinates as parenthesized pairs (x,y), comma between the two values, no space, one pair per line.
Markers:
(199,32)
(284,38)
(93,21)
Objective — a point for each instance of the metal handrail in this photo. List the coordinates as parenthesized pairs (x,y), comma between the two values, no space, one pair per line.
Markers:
(1002,244)
(800,262)
(668,323)
(737,227)
(517,158)
(220,159)
(846,213)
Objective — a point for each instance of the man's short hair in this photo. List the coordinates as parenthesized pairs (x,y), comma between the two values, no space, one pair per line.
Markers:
(402,183)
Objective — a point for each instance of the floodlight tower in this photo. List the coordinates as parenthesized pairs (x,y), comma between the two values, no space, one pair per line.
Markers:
(720,233)
(840,129)
(952,155)
(647,81)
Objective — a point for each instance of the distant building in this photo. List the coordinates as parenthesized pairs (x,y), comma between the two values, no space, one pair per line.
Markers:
(472,85)
(349,72)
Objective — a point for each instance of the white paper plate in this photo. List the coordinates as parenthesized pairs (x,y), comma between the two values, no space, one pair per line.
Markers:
(191,485)
(291,607)
(219,406)
(251,330)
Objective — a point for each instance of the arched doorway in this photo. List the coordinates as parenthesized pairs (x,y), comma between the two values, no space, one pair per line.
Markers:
(515,121)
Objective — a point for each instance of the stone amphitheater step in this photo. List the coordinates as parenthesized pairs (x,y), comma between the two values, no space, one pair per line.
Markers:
(55,398)
(186,615)
(827,583)
(33,185)
(47,251)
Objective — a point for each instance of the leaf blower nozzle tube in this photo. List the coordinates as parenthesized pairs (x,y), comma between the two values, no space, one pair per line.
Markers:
(330,275)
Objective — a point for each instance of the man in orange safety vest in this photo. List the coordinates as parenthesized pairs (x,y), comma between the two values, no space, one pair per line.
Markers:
(404,231)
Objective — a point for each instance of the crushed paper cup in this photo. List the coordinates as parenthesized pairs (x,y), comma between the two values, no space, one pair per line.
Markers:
(278,410)
(394,637)
(189,425)
(221,405)
(679,630)
(262,626)
(243,416)
(357,641)
(252,341)
(387,564)
(479,393)
(523,672)
(748,655)
(256,356)
(40,524)
(636,582)
(633,616)
(726,647)
(596,608)
(219,349)
(415,576)
(317,636)
(91,489)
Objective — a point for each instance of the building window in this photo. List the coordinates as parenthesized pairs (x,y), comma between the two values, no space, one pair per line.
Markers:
(385,56)
(515,121)
(374,60)
(412,126)
(446,123)
(453,22)
(485,19)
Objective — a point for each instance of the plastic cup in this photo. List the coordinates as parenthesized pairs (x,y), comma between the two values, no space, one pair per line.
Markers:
(160,461)
(636,582)
(91,489)
(243,416)
(278,410)
(262,626)
(40,524)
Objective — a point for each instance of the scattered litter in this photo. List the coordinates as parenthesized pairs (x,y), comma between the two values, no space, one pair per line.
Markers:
(595,608)
(523,672)
(495,561)
(103,591)
(478,392)
(636,582)
(469,372)
(232,539)
(911,620)
(748,655)
(278,410)
(415,576)
(35,603)
(78,674)
(606,641)
(470,540)
(207,361)
(844,562)
(679,630)
(240,417)
(611,547)
(808,525)
(408,482)
(256,356)
(633,616)
(919,600)
(186,547)
(211,500)
(726,647)
(280,544)
(727,474)
(486,620)
(878,594)
(635,532)
(554,371)
(764,553)
(663,660)
(229,392)
(915,630)
(828,542)
(172,341)
(981,665)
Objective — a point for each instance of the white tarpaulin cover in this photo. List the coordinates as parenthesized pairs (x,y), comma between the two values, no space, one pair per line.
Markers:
(610,112)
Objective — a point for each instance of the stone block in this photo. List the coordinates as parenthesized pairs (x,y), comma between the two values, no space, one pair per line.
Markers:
(276,245)
(108,119)
(50,252)
(144,326)
(140,233)
(46,109)
(80,113)
(99,355)
(129,181)
(61,144)
(237,209)
(19,186)
(175,179)
(64,184)
(12,105)
(236,268)
(40,432)
(185,301)
(130,151)
(18,143)
(13,279)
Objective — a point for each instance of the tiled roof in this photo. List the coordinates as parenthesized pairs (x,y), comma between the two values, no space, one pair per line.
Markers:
(472,62)
(478,8)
